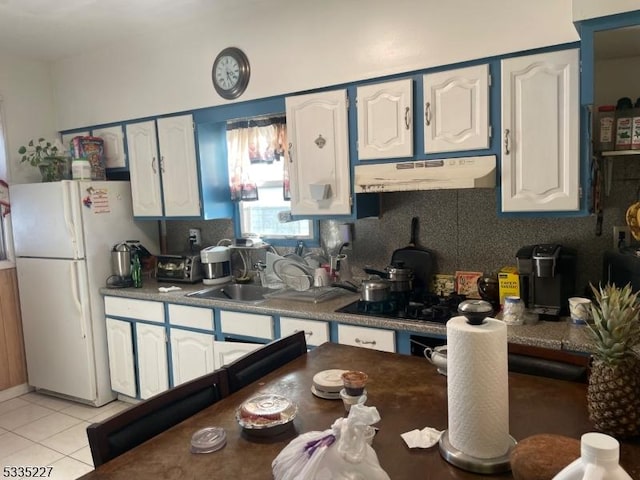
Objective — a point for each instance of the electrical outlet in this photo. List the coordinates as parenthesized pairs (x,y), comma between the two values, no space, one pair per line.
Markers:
(195,236)
(621,237)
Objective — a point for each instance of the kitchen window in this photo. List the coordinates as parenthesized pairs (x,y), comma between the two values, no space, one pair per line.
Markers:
(259,180)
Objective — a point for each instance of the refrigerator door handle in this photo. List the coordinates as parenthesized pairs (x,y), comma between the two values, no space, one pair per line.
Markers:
(75,289)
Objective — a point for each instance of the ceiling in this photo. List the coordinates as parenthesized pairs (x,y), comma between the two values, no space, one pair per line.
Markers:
(53,29)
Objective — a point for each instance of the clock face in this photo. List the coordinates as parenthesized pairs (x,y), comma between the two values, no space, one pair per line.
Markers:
(230,73)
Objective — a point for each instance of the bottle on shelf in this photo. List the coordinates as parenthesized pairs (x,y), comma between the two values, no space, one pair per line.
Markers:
(136,271)
(624,118)
(605,136)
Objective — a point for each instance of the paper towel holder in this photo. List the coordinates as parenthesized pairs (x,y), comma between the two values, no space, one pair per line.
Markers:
(475,311)
(486,466)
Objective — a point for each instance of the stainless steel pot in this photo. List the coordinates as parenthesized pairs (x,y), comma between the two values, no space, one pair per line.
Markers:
(375,290)
(121,260)
(400,277)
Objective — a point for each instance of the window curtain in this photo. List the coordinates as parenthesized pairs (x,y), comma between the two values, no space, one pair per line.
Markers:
(250,145)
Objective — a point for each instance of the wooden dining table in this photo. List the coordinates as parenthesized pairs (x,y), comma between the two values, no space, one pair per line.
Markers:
(408,393)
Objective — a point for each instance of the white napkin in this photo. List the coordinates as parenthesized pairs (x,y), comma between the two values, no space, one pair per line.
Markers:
(425,438)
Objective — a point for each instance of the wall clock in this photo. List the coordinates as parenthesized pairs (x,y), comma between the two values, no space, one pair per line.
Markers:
(230,73)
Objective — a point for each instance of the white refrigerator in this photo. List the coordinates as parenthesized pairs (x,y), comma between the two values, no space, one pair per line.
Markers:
(63,233)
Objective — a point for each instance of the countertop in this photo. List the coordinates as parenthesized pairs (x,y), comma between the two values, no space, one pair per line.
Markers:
(560,335)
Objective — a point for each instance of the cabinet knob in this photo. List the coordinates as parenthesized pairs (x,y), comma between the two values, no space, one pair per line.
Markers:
(407,118)
(427,113)
(290,152)
(365,342)
(162,163)
(153,165)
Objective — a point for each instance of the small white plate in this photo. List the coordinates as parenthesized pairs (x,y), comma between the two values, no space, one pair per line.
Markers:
(329,381)
(325,395)
(293,274)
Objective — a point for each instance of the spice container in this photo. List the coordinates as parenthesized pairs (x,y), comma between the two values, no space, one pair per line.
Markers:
(624,118)
(513,311)
(605,134)
(635,126)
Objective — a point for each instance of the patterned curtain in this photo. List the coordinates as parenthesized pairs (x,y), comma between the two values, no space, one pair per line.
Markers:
(251,143)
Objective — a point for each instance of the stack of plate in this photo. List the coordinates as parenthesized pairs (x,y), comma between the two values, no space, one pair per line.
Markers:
(327,384)
(293,273)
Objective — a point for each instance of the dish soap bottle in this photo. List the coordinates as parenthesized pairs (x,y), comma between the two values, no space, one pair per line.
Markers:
(599,459)
(136,271)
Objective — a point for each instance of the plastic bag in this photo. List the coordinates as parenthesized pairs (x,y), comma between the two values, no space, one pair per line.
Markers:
(339,453)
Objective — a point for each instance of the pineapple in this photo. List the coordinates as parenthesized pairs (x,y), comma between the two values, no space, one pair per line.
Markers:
(613,395)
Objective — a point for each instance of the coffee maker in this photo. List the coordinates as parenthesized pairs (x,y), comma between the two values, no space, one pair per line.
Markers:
(547,278)
(216,262)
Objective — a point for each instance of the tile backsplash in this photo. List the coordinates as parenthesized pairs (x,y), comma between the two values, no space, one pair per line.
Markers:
(463,229)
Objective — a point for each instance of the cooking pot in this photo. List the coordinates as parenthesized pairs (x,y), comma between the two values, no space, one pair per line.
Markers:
(121,260)
(371,290)
(401,278)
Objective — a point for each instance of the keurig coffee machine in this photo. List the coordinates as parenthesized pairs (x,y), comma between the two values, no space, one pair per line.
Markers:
(547,278)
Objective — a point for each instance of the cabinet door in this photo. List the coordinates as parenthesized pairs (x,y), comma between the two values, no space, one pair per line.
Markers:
(385,120)
(121,359)
(319,153)
(456,109)
(374,338)
(191,354)
(227,352)
(144,169)
(178,166)
(540,137)
(113,137)
(316,331)
(152,359)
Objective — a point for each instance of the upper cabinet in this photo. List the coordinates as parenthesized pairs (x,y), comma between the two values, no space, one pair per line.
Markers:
(385,120)
(456,110)
(540,132)
(320,180)
(163,167)
(113,138)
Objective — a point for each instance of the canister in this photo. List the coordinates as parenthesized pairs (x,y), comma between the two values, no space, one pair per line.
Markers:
(606,128)
(624,118)
(81,169)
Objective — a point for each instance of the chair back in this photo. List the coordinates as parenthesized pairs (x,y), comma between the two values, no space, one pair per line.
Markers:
(131,427)
(258,363)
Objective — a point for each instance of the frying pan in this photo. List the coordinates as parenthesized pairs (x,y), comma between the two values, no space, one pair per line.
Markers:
(418,259)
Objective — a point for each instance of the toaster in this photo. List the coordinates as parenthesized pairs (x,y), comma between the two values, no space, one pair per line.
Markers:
(185,268)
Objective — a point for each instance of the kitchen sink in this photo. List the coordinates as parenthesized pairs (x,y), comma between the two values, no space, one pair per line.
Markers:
(237,292)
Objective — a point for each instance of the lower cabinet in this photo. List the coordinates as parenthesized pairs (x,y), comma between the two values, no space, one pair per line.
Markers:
(227,352)
(316,331)
(367,337)
(151,356)
(192,354)
(121,358)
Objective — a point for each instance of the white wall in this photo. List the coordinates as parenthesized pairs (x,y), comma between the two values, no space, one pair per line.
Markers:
(616,78)
(25,87)
(296,45)
(585,9)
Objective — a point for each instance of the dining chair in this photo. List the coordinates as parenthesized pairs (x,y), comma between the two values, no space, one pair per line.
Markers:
(129,428)
(258,363)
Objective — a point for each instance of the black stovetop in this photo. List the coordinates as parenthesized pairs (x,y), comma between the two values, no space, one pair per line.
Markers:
(426,307)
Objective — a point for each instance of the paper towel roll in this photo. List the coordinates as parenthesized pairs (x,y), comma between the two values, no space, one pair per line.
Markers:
(478,388)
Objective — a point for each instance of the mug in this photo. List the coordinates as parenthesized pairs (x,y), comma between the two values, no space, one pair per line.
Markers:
(580,310)
(321,277)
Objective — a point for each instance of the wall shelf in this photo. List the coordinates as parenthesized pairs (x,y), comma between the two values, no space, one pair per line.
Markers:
(619,153)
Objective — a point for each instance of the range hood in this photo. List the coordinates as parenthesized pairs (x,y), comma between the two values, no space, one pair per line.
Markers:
(448,173)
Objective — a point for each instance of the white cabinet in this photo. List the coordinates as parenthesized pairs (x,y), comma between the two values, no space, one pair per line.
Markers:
(318,153)
(164,181)
(385,120)
(191,354)
(151,357)
(247,324)
(121,359)
(366,337)
(113,138)
(540,132)
(456,109)
(316,331)
(227,352)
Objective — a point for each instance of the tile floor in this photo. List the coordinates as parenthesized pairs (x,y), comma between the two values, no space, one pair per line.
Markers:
(40,430)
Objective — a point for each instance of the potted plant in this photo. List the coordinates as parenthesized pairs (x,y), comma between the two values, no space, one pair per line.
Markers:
(48,157)
(613,397)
